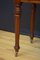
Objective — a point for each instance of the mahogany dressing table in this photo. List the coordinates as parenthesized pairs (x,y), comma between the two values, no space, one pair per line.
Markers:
(18,9)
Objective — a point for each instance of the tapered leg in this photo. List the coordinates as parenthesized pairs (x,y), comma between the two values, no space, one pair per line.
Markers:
(32,23)
(17,27)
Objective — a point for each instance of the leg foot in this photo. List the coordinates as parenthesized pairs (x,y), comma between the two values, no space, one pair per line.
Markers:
(31,37)
(16,50)
(31,40)
(16,54)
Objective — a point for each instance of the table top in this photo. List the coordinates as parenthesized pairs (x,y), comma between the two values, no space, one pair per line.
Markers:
(31,1)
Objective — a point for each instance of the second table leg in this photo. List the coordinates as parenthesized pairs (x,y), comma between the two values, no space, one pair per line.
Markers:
(32,23)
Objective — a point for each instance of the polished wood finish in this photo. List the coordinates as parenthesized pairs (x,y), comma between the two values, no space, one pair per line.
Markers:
(32,22)
(31,1)
(17,20)
(17,26)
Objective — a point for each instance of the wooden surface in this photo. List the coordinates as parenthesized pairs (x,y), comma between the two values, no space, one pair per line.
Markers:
(28,1)
(31,1)
(27,51)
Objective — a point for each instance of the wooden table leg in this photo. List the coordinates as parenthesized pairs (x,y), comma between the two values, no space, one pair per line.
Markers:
(17,27)
(32,23)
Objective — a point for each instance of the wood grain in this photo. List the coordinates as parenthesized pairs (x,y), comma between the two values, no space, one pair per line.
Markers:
(31,1)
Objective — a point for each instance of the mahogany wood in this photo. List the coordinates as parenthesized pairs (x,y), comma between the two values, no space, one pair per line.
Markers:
(31,1)
(17,25)
(18,4)
(32,22)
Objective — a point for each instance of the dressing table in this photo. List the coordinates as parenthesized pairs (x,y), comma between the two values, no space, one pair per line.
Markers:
(18,9)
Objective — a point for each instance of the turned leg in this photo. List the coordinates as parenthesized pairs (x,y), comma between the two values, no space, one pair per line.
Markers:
(17,27)
(32,23)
